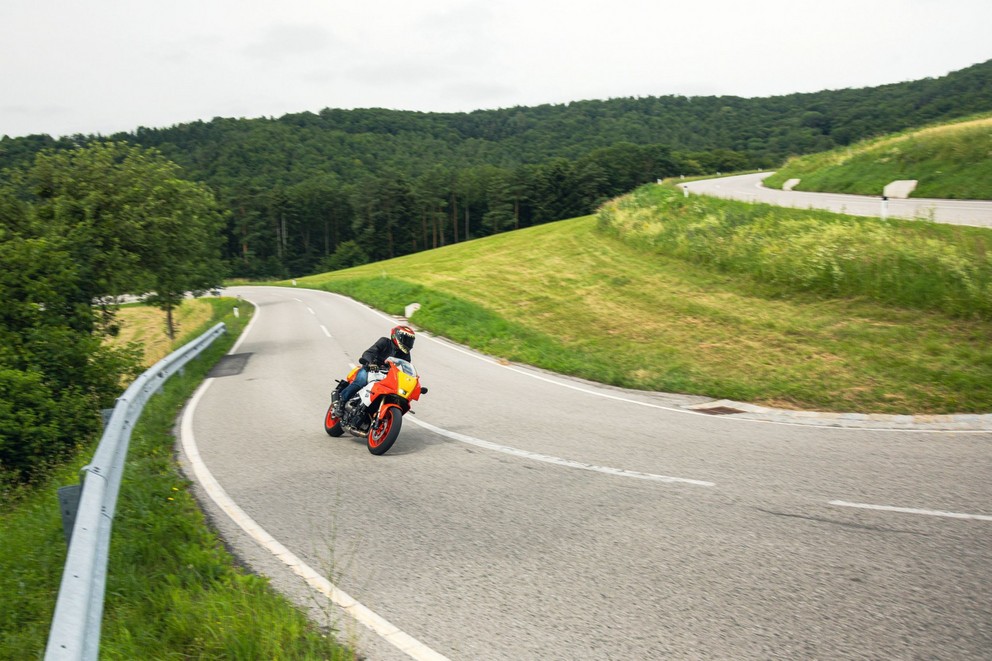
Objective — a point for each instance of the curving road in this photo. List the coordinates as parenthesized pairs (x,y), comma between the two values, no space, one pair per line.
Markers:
(523,515)
(748,188)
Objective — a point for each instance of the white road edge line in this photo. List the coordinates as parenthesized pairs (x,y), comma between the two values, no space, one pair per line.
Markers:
(378,624)
(650,405)
(549,459)
(911,510)
(478,442)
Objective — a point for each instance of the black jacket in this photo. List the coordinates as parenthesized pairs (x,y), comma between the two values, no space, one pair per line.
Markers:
(380,351)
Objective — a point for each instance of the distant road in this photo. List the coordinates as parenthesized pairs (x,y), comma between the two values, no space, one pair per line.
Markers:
(748,187)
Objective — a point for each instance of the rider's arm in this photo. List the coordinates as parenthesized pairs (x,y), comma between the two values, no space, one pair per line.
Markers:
(375,352)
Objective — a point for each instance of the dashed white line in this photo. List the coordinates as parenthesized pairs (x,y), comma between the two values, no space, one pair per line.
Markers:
(398,638)
(912,510)
(326,332)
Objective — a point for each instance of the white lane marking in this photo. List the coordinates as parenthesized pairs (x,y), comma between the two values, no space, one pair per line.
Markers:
(911,510)
(300,300)
(326,332)
(568,463)
(491,361)
(659,407)
(401,640)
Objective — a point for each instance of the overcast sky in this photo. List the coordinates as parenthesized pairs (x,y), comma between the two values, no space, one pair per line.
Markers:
(103,66)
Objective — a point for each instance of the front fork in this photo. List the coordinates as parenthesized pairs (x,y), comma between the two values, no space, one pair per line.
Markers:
(380,415)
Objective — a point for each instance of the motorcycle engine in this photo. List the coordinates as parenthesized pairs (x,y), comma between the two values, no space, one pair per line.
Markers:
(355,414)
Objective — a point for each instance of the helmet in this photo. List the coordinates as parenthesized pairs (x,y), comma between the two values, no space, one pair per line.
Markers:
(403,337)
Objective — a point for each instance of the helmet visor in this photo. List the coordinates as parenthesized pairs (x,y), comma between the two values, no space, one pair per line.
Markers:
(405,341)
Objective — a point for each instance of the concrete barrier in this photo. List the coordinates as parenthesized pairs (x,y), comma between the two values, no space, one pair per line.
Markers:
(900,188)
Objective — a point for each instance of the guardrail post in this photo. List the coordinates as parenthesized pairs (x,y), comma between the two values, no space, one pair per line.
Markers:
(68,505)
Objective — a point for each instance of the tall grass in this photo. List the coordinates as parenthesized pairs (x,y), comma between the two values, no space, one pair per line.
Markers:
(909,264)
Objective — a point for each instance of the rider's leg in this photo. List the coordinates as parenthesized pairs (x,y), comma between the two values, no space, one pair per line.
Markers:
(361,379)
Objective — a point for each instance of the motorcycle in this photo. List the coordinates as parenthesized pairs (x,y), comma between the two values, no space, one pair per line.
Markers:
(376,411)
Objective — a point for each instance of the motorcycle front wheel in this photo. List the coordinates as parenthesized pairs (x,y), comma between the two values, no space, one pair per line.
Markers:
(384,431)
(332,425)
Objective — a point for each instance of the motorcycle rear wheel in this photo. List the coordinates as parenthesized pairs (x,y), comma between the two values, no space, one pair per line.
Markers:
(383,433)
(332,425)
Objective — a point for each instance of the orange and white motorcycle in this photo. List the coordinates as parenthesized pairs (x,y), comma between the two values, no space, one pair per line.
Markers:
(376,410)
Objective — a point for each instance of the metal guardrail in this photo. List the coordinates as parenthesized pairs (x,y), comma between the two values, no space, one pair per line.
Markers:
(75,631)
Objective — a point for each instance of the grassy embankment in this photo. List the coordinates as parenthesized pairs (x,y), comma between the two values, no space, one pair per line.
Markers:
(952,161)
(173,591)
(781,307)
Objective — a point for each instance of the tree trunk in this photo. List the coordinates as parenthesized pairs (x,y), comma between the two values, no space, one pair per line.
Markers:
(423,228)
(454,217)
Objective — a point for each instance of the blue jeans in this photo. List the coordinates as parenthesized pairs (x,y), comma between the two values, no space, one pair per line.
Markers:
(361,379)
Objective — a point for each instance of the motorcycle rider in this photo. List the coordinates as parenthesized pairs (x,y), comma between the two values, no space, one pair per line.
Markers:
(399,344)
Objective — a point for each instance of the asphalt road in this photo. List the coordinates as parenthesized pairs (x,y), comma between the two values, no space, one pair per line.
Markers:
(523,515)
(748,188)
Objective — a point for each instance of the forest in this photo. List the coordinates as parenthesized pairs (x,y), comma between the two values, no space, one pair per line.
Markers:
(310,192)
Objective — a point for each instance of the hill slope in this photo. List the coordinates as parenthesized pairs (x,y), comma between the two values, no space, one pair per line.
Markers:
(568,297)
(952,161)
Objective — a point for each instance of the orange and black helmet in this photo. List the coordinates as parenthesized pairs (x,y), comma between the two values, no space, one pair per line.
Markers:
(403,337)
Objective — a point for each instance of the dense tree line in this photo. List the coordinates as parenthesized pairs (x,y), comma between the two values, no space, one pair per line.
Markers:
(310,191)
(79,228)
(325,222)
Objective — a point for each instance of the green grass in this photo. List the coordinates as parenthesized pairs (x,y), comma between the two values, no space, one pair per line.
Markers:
(173,591)
(576,299)
(909,264)
(951,161)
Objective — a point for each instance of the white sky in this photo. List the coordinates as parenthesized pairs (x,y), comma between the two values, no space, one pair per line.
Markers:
(102,66)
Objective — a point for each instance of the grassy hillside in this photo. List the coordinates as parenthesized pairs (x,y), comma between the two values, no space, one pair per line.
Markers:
(609,306)
(951,161)
(144,325)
